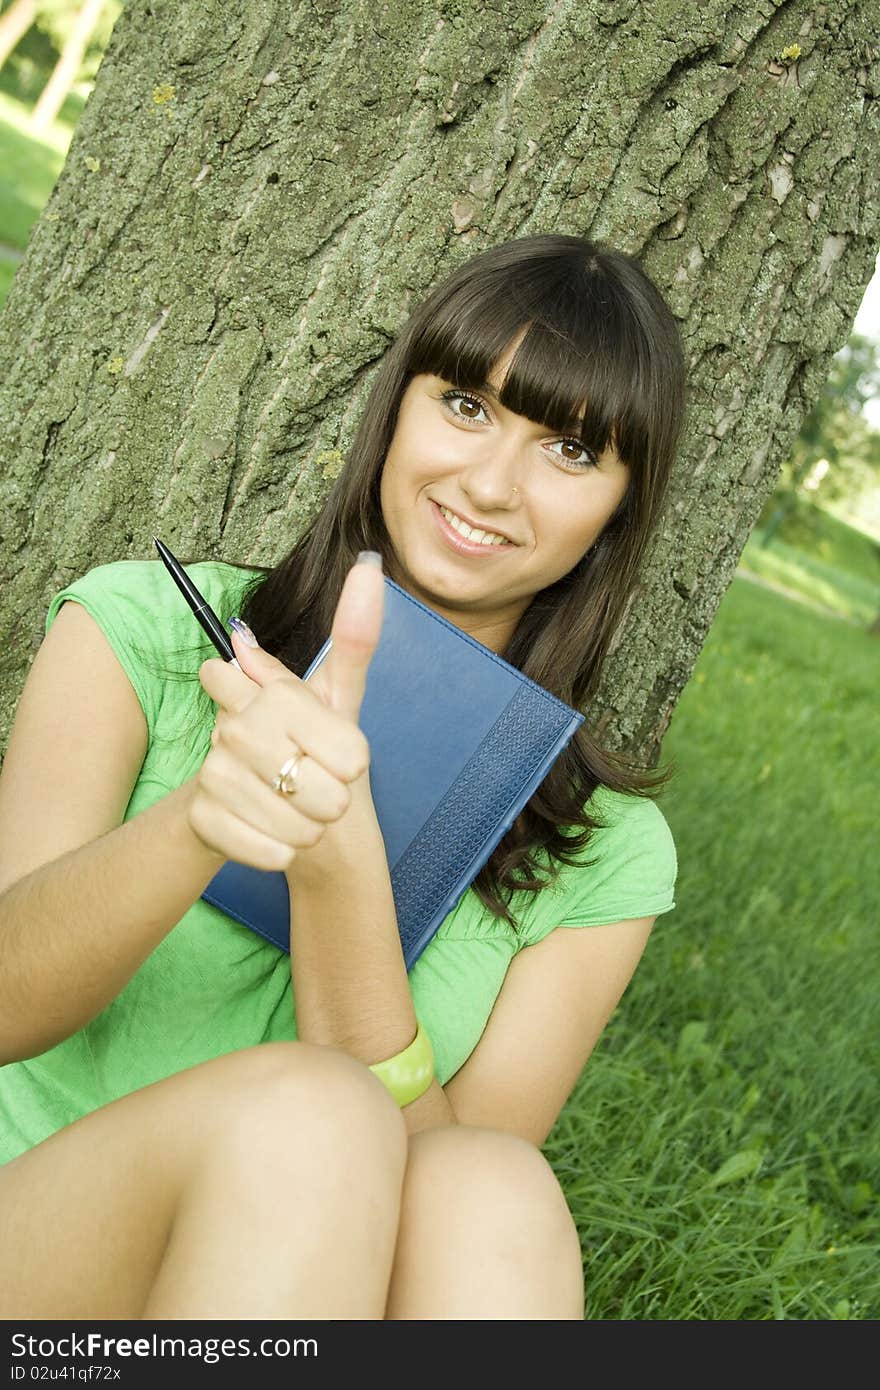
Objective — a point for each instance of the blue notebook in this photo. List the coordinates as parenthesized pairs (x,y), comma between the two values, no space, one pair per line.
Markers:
(459,742)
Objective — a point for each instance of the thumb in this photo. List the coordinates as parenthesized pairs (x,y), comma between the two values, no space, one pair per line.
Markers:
(357,627)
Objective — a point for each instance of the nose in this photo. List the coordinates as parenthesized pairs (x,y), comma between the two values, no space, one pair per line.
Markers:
(495,477)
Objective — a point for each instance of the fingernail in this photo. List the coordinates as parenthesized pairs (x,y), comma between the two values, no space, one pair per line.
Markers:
(369,557)
(243,631)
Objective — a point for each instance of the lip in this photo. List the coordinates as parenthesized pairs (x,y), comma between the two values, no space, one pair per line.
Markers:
(458,542)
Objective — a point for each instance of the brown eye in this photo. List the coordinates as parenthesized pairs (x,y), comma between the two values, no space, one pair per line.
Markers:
(451,398)
(589,459)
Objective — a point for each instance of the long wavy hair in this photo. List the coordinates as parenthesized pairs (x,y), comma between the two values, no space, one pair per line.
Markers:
(597,332)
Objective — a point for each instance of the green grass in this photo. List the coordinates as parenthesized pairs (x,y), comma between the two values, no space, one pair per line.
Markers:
(838,590)
(818,556)
(720,1152)
(29,168)
(831,540)
(24,94)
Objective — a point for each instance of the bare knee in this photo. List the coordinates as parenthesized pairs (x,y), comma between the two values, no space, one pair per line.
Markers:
(485,1232)
(278,1101)
(495,1183)
(87,1215)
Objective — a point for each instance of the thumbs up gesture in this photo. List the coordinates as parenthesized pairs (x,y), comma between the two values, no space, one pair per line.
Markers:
(267,716)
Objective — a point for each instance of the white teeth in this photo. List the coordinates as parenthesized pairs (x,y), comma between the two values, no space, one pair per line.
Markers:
(483,537)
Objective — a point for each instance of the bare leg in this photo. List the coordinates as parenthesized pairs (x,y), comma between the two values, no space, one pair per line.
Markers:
(485,1232)
(263,1184)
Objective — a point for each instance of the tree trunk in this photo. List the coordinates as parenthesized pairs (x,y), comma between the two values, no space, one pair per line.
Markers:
(64,73)
(14,24)
(257,193)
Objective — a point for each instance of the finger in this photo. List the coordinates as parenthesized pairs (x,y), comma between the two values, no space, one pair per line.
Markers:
(229,689)
(298,820)
(357,627)
(287,716)
(224,832)
(234,689)
(248,788)
(258,664)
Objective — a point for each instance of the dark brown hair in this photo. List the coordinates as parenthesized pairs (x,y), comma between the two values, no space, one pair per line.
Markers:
(599,332)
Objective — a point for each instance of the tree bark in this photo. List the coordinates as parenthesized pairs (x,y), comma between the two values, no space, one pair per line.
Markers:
(14,24)
(257,193)
(64,73)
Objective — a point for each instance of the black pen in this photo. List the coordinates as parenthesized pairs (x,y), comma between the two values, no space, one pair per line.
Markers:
(202,610)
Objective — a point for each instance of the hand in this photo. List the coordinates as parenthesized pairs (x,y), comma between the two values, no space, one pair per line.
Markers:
(265,715)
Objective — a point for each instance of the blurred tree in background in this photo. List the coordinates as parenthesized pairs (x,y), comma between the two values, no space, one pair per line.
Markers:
(836,456)
(53,45)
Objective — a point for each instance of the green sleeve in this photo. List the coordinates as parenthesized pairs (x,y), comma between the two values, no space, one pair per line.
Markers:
(633,873)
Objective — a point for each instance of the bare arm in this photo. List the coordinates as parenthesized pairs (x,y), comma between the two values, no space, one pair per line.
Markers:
(84,899)
(349,977)
(556,999)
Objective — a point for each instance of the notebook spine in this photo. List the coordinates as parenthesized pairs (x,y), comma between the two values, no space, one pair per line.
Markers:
(508,775)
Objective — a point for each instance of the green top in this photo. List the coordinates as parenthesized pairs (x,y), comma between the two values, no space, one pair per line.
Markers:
(213,986)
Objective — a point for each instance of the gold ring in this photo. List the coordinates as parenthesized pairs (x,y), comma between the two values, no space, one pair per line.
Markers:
(285,782)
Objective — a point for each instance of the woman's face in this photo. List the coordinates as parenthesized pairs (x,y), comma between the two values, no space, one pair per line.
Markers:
(545,493)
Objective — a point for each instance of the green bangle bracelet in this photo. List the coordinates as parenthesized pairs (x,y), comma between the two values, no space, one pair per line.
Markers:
(409,1074)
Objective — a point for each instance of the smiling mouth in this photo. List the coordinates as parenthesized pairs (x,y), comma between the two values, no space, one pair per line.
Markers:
(475,535)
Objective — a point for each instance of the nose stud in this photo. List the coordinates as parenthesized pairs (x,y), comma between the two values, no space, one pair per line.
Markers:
(516,490)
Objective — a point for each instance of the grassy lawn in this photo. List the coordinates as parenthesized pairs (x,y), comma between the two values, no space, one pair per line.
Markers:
(29,168)
(827,562)
(720,1152)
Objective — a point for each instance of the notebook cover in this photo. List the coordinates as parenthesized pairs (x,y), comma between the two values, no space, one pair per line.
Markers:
(459,742)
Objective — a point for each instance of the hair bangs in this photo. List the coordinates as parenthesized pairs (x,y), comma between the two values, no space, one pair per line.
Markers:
(465,335)
(552,381)
(577,369)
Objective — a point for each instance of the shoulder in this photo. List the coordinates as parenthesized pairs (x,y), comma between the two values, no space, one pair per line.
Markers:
(631,826)
(632,850)
(628,869)
(147,621)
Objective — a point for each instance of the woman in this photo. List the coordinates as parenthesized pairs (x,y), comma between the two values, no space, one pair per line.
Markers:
(186,1135)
